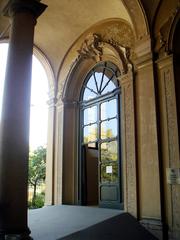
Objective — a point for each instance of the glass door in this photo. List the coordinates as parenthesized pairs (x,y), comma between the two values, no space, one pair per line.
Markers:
(100,136)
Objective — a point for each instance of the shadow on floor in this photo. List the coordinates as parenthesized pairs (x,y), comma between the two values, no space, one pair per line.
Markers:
(121,227)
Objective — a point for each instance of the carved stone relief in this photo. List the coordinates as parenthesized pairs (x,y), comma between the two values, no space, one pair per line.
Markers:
(116,32)
(94,45)
(120,33)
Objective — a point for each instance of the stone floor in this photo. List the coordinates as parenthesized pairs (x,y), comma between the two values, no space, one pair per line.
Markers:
(55,222)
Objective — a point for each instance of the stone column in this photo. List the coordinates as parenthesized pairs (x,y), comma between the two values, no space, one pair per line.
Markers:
(14,132)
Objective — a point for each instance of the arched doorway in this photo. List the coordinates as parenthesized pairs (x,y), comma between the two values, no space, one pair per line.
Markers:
(100,148)
(71,104)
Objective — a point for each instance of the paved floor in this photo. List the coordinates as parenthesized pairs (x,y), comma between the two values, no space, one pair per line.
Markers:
(55,222)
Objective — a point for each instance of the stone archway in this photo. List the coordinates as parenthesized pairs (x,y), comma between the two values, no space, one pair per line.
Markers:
(95,49)
(139,19)
(50,131)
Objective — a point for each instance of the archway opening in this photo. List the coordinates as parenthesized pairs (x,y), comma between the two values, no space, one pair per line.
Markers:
(38,126)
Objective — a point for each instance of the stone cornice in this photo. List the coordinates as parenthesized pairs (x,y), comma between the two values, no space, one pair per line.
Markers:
(18,6)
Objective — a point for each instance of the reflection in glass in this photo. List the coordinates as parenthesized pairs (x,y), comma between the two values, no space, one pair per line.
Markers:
(88,95)
(109,176)
(90,115)
(109,151)
(109,109)
(90,133)
(109,129)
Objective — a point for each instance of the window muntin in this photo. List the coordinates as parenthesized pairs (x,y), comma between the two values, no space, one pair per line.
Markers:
(101,80)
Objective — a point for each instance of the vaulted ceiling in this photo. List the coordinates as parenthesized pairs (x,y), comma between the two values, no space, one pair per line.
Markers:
(64,21)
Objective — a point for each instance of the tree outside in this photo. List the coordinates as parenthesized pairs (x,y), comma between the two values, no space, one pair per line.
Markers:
(36,178)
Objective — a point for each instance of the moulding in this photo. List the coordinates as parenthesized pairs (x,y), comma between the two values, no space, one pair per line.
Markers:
(143,47)
(52,102)
(164,61)
(15,6)
(154,226)
(163,39)
(137,13)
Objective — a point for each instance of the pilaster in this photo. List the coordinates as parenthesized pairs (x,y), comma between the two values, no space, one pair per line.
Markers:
(49,194)
(70,148)
(170,141)
(128,139)
(149,198)
(58,155)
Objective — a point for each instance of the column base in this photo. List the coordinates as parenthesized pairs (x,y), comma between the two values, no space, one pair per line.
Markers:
(15,235)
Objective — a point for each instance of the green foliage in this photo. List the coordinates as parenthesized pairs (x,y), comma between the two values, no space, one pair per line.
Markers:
(37,166)
(37,170)
(38,202)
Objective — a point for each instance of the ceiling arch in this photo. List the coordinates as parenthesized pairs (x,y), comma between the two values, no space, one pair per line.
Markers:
(116,32)
(138,17)
(64,21)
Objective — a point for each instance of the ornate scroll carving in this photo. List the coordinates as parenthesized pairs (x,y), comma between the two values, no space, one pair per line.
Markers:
(92,47)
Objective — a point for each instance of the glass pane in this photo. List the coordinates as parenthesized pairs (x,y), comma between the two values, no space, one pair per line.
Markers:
(109,151)
(90,115)
(109,109)
(109,173)
(109,88)
(91,84)
(105,81)
(109,129)
(90,133)
(98,79)
(88,95)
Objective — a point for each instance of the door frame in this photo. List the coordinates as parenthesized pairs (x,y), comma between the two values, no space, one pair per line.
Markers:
(82,192)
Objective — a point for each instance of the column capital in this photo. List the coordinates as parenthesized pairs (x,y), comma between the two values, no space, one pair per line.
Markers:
(19,6)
